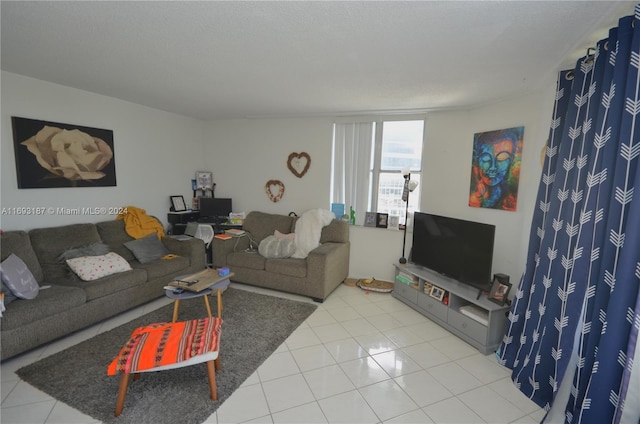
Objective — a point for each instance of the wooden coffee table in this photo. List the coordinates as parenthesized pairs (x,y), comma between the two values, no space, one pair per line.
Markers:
(200,284)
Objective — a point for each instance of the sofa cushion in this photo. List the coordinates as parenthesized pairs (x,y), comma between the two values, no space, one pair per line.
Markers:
(113,234)
(49,302)
(108,285)
(261,225)
(18,242)
(246,260)
(90,268)
(50,243)
(147,249)
(289,266)
(8,295)
(337,231)
(274,247)
(93,249)
(18,278)
(163,267)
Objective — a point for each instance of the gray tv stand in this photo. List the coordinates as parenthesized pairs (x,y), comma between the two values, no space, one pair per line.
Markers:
(476,320)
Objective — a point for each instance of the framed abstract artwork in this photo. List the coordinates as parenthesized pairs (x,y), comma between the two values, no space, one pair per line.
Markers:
(495,169)
(53,154)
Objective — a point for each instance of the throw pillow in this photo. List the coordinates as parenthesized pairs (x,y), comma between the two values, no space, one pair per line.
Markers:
(272,247)
(17,276)
(93,249)
(8,296)
(90,268)
(147,249)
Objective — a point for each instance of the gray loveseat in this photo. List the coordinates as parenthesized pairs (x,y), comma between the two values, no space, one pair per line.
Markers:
(315,276)
(71,304)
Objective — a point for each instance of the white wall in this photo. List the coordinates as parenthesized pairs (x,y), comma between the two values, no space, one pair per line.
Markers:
(156,153)
(244,154)
(447,169)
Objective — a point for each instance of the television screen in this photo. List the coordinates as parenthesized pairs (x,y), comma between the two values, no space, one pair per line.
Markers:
(211,207)
(462,250)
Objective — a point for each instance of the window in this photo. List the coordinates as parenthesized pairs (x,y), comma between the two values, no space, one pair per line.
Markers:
(368,163)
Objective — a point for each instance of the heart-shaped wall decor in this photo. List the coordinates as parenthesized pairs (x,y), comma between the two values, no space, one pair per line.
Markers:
(274,189)
(299,163)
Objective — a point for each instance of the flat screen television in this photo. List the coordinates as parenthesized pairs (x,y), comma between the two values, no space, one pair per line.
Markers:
(215,208)
(462,250)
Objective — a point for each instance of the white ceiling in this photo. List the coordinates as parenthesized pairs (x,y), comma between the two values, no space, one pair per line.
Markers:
(219,59)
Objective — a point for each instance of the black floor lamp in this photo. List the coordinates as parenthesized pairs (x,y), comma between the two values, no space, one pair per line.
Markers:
(409,186)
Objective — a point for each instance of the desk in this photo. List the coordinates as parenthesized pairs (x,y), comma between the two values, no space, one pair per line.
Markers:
(179,220)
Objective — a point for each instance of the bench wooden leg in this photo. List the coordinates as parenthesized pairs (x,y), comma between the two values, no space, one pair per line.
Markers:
(122,393)
(212,380)
(176,307)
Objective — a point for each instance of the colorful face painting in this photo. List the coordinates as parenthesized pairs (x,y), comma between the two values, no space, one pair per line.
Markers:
(495,169)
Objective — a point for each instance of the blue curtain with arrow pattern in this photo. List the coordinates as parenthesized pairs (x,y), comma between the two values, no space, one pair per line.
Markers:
(575,316)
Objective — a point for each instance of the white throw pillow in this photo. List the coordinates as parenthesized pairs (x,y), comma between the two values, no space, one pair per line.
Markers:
(90,268)
(272,247)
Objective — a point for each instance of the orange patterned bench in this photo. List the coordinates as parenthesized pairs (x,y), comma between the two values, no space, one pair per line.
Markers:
(163,346)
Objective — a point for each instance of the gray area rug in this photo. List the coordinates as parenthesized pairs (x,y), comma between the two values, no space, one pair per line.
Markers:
(254,325)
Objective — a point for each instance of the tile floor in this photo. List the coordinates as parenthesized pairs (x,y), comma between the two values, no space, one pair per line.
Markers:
(359,358)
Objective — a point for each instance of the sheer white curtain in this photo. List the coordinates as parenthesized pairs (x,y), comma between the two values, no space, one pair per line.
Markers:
(352,166)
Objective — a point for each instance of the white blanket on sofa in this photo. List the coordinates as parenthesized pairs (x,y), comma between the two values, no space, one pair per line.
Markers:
(308,230)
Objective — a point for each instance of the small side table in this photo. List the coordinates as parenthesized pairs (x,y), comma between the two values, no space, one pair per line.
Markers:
(177,297)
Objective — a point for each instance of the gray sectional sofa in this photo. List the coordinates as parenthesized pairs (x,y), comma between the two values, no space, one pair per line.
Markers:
(315,276)
(70,304)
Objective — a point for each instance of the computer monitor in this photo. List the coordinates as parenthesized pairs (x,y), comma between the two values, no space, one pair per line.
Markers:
(211,207)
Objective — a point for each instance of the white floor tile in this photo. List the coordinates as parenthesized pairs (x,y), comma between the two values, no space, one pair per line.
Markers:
(331,332)
(506,388)
(302,338)
(423,388)
(403,337)
(359,327)
(364,371)
(384,321)
(376,343)
(453,347)
(246,403)
(64,414)
(335,368)
(485,370)
(345,350)
(490,406)
(309,414)
(455,378)
(426,355)
(452,411)
(287,392)
(34,413)
(396,363)
(413,417)
(320,317)
(328,381)
(278,365)
(387,399)
(348,407)
(312,357)
(344,313)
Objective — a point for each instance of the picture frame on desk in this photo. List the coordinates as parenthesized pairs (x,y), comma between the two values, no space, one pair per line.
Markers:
(437,293)
(177,204)
(382,220)
(499,291)
(370,219)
